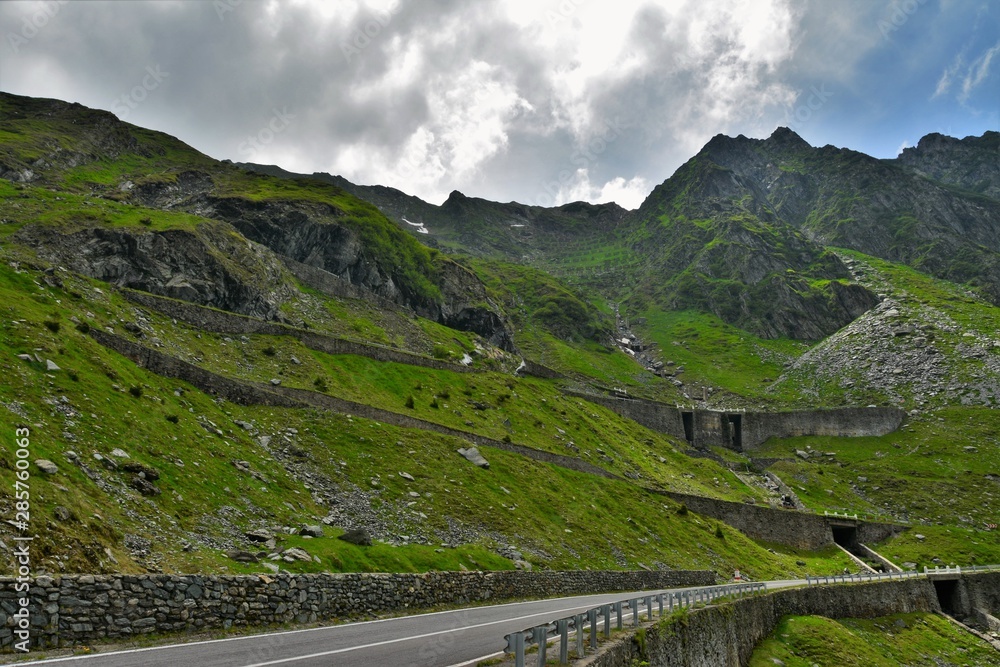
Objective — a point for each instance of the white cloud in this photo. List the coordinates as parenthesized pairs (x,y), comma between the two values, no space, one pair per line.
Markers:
(629,194)
(969,76)
(944,83)
(978,72)
(505,99)
(469,113)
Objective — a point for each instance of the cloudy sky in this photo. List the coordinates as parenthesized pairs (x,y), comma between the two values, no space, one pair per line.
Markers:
(538,101)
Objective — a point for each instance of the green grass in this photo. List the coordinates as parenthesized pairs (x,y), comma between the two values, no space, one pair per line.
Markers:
(917,640)
(547,512)
(922,473)
(528,411)
(969,312)
(950,317)
(943,545)
(148,157)
(336,555)
(70,212)
(720,355)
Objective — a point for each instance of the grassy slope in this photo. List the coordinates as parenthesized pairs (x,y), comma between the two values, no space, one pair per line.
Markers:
(922,473)
(955,316)
(713,354)
(145,157)
(917,640)
(718,355)
(204,493)
(556,326)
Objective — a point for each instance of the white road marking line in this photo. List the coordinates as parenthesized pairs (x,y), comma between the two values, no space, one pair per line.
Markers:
(404,639)
(355,648)
(50,661)
(283,661)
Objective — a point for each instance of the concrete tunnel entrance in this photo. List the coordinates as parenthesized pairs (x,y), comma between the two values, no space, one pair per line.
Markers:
(736,432)
(688,419)
(845,536)
(947,595)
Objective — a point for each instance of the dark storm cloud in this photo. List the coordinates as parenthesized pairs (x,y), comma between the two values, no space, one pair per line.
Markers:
(533,100)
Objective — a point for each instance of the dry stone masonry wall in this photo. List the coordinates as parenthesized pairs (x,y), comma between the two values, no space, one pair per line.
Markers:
(74,610)
(219,321)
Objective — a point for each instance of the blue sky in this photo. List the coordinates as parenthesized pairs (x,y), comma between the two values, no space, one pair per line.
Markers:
(937,69)
(538,101)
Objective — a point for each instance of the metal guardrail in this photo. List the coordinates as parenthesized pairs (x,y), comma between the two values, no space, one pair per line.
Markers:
(879,576)
(518,642)
(858,578)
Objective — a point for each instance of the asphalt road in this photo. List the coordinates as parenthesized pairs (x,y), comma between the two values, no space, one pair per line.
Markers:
(441,639)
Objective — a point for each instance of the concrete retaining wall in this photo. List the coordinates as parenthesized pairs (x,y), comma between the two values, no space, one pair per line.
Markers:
(795,529)
(746,431)
(726,635)
(656,416)
(801,530)
(843,422)
(538,370)
(74,610)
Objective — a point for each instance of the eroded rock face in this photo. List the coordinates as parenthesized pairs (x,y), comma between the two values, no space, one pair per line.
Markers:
(467,307)
(311,234)
(970,163)
(210,266)
(316,235)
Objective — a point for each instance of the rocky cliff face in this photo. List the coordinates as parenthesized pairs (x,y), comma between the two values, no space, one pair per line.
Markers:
(210,266)
(972,163)
(313,234)
(716,242)
(475,226)
(309,233)
(215,264)
(843,198)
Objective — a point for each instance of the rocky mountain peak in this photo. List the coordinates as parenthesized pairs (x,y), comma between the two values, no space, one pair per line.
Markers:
(786,137)
(972,163)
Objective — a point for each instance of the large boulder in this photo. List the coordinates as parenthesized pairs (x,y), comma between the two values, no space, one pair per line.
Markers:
(357,536)
(311,531)
(46,466)
(473,456)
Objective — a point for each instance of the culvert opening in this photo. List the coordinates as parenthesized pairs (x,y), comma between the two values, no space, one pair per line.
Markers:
(845,536)
(947,595)
(688,419)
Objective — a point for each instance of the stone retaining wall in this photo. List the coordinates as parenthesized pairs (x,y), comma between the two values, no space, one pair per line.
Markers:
(220,321)
(74,610)
(247,393)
